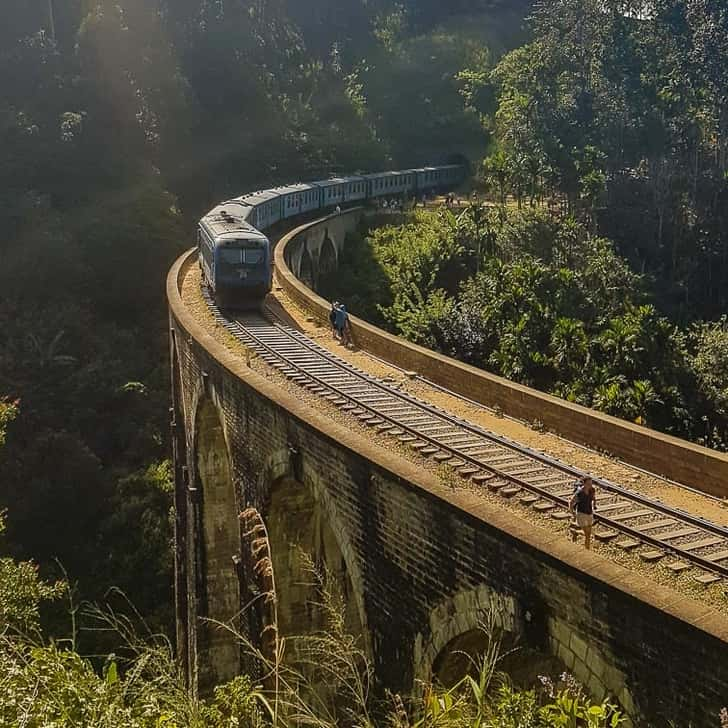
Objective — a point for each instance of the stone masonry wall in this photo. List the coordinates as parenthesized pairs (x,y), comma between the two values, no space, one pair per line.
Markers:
(423,560)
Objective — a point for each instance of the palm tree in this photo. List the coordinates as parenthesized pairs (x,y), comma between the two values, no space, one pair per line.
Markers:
(609,397)
(621,340)
(495,168)
(47,353)
(643,396)
(569,345)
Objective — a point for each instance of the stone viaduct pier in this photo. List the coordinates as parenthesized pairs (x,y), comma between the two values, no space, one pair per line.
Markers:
(418,559)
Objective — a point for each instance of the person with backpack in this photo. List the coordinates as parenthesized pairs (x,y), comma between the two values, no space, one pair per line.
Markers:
(583,504)
(342,324)
(332,318)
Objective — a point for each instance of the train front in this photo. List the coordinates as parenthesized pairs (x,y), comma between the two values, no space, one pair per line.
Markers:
(243,270)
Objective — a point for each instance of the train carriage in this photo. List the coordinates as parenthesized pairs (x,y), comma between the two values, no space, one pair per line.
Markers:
(331,191)
(235,256)
(298,199)
(354,189)
(266,208)
(384,184)
(426,179)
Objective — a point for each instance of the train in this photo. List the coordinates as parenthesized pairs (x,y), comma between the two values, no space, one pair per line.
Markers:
(235,256)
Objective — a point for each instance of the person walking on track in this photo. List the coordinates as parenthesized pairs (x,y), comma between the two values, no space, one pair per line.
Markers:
(583,504)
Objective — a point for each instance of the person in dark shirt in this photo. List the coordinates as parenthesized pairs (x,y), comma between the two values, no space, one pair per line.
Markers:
(332,319)
(583,504)
(342,325)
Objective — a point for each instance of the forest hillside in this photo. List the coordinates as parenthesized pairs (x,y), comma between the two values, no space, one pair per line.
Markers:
(594,122)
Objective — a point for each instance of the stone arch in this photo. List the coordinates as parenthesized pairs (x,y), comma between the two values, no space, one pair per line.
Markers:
(454,629)
(327,257)
(459,657)
(589,665)
(219,544)
(455,625)
(305,268)
(300,524)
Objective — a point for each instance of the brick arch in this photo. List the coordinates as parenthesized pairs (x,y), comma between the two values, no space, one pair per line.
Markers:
(301,516)
(455,619)
(328,258)
(589,665)
(306,271)
(461,615)
(218,542)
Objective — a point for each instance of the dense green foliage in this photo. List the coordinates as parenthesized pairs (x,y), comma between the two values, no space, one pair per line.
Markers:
(538,299)
(620,110)
(120,122)
(610,126)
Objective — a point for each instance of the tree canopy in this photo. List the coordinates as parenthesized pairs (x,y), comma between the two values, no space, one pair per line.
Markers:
(540,300)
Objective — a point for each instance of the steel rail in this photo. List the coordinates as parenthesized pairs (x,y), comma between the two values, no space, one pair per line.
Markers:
(555,463)
(296,344)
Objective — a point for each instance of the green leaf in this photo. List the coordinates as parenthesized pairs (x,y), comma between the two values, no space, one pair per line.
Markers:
(112,674)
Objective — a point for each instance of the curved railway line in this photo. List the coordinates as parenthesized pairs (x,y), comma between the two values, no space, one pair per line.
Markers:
(508,468)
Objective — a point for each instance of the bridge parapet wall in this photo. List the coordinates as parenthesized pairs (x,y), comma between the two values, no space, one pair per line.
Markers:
(422,560)
(699,467)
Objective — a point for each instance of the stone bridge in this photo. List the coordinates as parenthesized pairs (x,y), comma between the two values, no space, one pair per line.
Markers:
(315,251)
(418,563)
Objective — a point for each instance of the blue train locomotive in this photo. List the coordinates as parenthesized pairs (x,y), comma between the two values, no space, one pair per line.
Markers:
(235,257)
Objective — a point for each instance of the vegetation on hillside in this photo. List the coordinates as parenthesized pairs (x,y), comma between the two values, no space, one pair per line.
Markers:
(608,132)
(619,111)
(122,120)
(538,299)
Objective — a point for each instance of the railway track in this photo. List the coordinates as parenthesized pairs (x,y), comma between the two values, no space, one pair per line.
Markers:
(625,517)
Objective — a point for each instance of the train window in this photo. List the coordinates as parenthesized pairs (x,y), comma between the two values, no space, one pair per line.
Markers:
(241,256)
(231,256)
(252,256)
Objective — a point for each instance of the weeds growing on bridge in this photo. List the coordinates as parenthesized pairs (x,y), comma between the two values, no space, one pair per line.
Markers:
(324,678)
(321,680)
